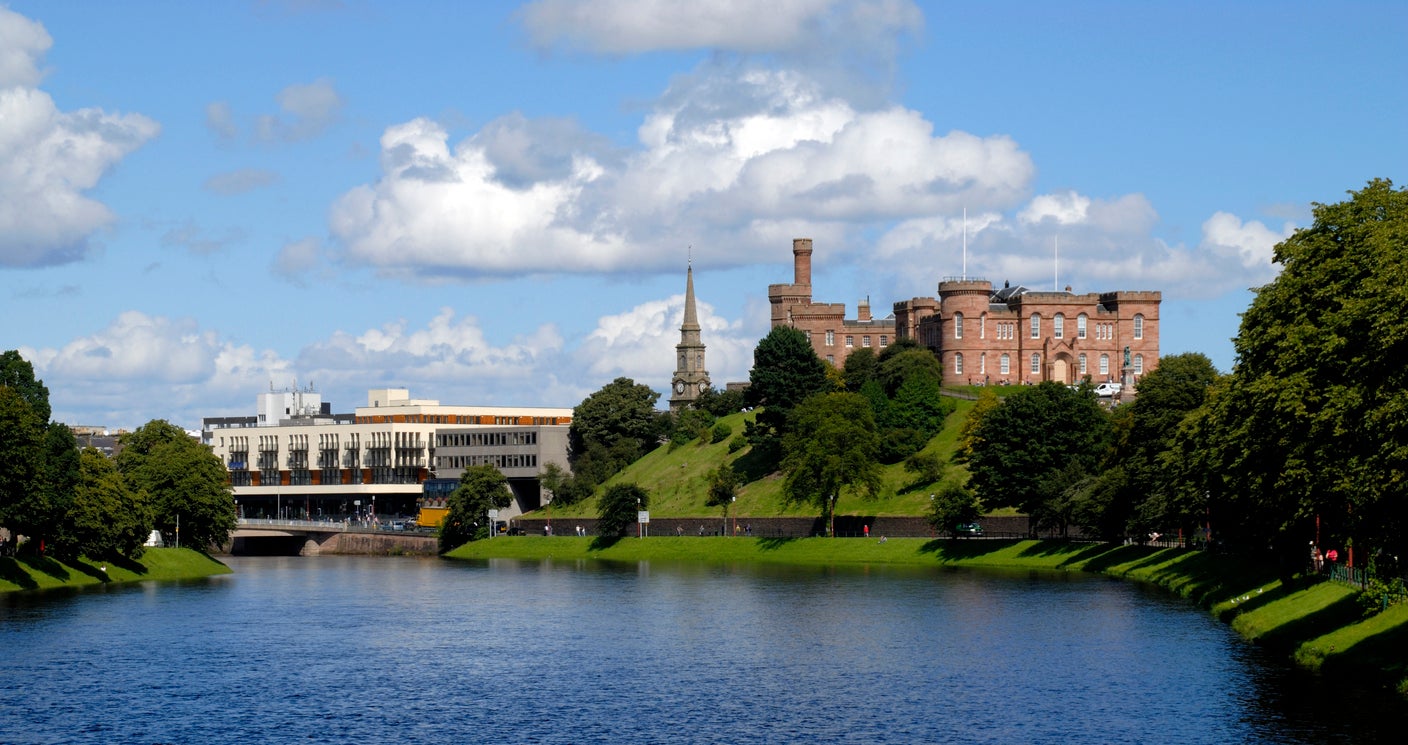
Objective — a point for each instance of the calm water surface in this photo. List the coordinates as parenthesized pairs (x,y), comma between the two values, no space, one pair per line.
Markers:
(372,650)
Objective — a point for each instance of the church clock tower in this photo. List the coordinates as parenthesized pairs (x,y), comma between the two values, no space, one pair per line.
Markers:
(690,379)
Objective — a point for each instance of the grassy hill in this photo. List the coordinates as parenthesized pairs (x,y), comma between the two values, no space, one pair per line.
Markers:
(677,479)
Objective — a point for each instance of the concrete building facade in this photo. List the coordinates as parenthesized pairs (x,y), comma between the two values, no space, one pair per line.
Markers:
(370,463)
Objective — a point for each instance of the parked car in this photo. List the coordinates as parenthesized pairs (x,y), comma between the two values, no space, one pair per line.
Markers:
(973,529)
(1108,389)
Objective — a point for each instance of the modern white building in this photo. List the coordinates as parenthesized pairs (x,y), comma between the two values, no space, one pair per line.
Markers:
(297,459)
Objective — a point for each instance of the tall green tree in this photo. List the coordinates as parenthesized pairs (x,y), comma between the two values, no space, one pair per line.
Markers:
(106,517)
(1314,417)
(614,427)
(1168,394)
(616,512)
(831,446)
(914,364)
(723,489)
(186,484)
(785,371)
(1031,437)
(16,372)
(861,368)
(21,446)
(481,488)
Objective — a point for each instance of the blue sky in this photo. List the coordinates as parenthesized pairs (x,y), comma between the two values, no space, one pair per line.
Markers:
(494,203)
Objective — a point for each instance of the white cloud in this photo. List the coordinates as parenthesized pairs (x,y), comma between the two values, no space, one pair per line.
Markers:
(300,260)
(220,119)
(635,26)
(1250,244)
(49,158)
(22,44)
(196,240)
(640,344)
(740,168)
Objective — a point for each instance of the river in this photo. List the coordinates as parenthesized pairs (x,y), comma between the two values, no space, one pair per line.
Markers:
(369,650)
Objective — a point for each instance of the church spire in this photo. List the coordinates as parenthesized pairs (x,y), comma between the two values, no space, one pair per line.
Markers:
(691,317)
(691,378)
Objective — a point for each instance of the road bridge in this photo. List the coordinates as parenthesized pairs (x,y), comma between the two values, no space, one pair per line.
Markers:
(265,536)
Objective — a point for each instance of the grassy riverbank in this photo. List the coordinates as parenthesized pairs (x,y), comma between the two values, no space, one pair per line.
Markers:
(1318,624)
(31,573)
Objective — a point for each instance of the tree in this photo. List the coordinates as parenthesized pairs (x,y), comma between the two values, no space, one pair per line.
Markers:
(720,403)
(481,489)
(785,371)
(21,444)
(951,506)
(831,445)
(1167,395)
(723,489)
(861,368)
(106,517)
(908,365)
(1314,416)
(1030,437)
(612,428)
(618,507)
(17,373)
(185,483)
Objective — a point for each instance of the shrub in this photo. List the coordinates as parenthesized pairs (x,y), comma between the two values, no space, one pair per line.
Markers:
(737,443)
(720,433)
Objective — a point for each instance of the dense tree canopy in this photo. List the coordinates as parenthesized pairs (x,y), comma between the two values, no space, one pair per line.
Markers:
(1313,420)
(612,428)
(1025,445)
(18,374)
(785,371)
(481,489)
(185,483)
(616,512)
(105,516)
(831,445)
(21,445)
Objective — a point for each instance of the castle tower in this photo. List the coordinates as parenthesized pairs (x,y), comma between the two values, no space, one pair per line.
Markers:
(690,378)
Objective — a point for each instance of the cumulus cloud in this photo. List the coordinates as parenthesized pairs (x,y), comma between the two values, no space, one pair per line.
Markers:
(50,158)
(22,44)
(240,181)
(640,342)
(631,27)
(1250,244)
(741,166)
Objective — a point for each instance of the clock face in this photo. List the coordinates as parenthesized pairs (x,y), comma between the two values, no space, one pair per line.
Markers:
(679,386)
(703,386)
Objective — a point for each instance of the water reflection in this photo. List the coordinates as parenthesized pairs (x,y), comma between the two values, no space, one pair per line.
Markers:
(341,649)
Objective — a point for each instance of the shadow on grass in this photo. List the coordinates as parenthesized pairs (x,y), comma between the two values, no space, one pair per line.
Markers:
(773,544)
(603,542)
(1102,557)
(1292,634)
(1381,652)
(754,465)
(1212,577)
(90,570)
(134,567)
(963,548)
(11,572)
(46,565)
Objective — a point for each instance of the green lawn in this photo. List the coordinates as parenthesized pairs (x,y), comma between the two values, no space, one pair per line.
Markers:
(677,479)
(31,573)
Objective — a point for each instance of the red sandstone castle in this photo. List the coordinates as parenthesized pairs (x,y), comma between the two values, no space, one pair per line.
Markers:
(983,336)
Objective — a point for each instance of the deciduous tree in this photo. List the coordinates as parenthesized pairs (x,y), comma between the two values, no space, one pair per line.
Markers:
(618,507)
(831,446)
(185,483)
(481,489)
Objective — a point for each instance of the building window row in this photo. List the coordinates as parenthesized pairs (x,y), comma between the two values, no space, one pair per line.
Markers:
(485,439)
(501,462)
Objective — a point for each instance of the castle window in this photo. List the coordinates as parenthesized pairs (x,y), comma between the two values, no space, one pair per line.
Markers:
(884,341)
(958,325)
(1105,364)
(1080,326)
(1138,326)
(1084,369)
(1058,326)
(1005,364)
(1036,325)
(865,341)
(831,360)
(1138,364)
(983,363)
(830,338)
(958,364)
(983,326)
(1036,364)
(850,342)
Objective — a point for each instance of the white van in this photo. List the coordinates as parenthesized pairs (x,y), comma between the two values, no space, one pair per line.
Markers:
(1108,389)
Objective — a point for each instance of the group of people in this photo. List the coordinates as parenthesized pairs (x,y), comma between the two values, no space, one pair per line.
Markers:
(1318,560)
